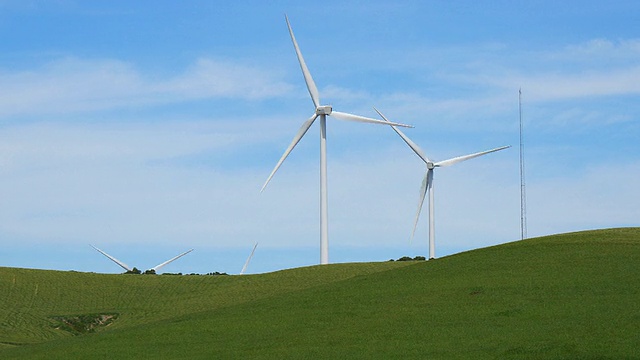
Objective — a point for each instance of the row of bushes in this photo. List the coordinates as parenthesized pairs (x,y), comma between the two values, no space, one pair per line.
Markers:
(153,272)
(408,258)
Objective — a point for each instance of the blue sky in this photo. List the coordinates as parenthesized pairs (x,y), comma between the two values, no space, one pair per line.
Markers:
(148,129)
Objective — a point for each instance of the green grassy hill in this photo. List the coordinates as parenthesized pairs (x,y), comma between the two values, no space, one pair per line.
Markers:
(566,296)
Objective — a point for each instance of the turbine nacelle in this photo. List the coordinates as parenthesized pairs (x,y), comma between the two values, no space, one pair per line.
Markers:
(324,110)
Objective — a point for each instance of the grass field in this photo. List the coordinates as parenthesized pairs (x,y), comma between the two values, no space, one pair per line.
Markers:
(569,296)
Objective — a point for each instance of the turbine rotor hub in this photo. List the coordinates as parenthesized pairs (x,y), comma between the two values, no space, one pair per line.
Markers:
(324,110)
(430,166)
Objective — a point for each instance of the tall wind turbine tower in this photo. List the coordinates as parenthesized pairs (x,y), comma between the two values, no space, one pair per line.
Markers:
(322,112)
(523,192)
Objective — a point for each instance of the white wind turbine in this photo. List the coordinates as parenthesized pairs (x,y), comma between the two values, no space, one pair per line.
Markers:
(321,111)
(427,183)
(127,268)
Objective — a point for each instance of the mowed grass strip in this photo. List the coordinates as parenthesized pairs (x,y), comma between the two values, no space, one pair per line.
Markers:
(571,296)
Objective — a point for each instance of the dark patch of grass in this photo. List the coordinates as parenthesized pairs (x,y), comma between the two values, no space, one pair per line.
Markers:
(83,324)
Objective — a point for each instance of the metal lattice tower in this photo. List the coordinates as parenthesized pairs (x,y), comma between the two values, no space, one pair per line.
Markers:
(523,192)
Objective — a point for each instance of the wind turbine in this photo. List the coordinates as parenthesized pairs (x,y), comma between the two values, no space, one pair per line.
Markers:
(321,111)
(427,183)
(246,264)
(127,268)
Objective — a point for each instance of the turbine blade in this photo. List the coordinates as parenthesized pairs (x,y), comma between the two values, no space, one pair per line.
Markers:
(120,263)
(416,149)
(458,159)
(303,130)
(311,86)
(246,264)
(426,182)
(157,267)
(351,117)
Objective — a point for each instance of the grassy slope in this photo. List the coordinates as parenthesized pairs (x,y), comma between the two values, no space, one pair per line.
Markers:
(568,296)
(29,297)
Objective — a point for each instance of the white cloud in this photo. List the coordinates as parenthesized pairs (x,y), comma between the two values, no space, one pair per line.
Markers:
(487,81)
(596,68)
(599,50)
(75,85)
(78,184)
(604,195)
(171,182)
(344,95)
(47,145)
(121,182)
(211,78)
(542,86)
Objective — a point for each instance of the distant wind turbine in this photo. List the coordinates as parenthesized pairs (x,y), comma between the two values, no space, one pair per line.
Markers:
(246,263)
(321,111)
(127,268)
(427,183)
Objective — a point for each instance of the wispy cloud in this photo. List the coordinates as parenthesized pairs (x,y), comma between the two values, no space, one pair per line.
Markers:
(604,195)
(596,68)
(483,88)
(542,87)
(71,182)
(600,49)
(105,194)
(75,85)
(210,78)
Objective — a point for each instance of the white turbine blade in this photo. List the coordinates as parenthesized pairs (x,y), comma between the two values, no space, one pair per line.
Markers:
(157,267)
(303,130)
(246,264)
(313,90)
(416,149)
(122,265)
(458,159)
(428,176)
(351,117)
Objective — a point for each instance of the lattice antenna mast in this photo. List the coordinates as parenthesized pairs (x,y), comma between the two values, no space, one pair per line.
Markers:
(523,190)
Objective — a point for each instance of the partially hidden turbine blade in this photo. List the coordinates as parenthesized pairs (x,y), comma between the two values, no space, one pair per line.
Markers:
(120,263)
(311,85)
(246,264)
(416,149)
(358,118)
(157,267)
(458,159)
(303,130)
(426,182)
